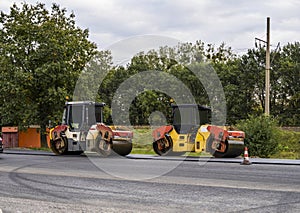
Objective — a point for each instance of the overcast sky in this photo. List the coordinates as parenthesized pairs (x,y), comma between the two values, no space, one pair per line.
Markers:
(235,22)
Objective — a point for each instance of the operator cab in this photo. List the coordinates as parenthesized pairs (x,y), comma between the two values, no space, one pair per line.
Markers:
(80,115)
(188,116)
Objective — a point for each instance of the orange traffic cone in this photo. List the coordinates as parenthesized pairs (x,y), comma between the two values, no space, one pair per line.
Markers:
(246,160)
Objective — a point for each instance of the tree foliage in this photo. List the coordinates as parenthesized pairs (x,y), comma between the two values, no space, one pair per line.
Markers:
(41,56)
(186,62)
(242,78)
(287,97)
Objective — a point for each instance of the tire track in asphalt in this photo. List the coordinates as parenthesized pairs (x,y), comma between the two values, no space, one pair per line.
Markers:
(287,195)
(237,184)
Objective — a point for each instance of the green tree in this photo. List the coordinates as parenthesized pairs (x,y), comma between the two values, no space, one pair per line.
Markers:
(94,77)
(287,99)
(182,62)
(41,56)
(242,78)
(284,86)
(231,77)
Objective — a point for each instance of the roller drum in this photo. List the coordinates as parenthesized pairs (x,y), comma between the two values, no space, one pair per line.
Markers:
(234,149)
(122,148)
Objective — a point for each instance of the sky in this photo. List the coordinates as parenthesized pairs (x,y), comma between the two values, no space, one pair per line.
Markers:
(235,22)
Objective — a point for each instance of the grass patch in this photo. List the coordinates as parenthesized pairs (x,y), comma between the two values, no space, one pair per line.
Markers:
(194,154)
(142,141)
(289,145)
(32,148)
(142,151)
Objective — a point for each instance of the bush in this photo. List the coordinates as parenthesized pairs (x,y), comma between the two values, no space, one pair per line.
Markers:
(262,133)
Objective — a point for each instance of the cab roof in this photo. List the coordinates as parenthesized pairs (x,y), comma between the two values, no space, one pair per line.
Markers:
(200,107)
(80,103)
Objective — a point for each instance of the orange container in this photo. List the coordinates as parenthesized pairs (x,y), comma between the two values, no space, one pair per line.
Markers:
(30,138)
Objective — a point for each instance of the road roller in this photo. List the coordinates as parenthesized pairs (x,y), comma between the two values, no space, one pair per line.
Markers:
(191,132)
(82,129)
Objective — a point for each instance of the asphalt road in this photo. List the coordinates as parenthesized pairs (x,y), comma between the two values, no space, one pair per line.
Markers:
(47,183)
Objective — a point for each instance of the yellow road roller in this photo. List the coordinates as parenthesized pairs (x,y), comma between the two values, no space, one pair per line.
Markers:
(191,132)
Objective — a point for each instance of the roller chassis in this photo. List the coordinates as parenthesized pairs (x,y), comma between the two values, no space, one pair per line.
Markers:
(68,138)
(99,138)
(178,139)
(231,145)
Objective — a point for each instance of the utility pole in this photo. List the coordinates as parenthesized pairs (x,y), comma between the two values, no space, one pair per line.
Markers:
(267,75)
(267,81)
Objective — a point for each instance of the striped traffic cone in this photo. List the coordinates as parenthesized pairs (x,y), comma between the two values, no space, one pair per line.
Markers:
(246,160)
